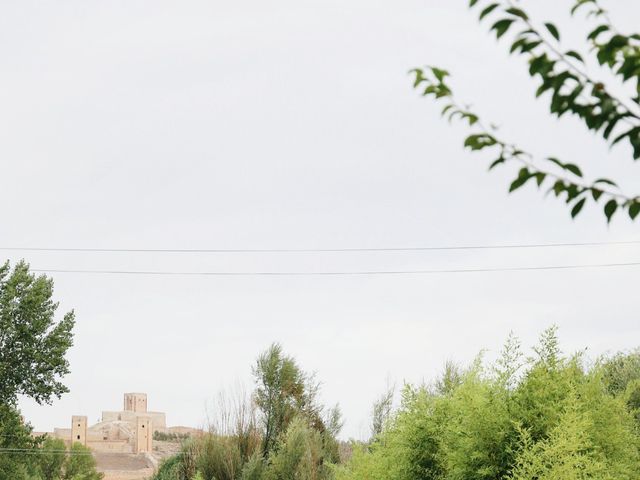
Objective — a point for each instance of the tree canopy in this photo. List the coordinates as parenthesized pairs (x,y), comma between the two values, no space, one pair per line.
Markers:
(32,343)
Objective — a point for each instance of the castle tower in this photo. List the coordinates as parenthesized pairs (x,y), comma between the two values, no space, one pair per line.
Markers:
(135,402)
(144,435)
(79,430)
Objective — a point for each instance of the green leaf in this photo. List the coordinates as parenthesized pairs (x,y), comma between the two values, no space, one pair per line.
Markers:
(594,34)
(518,43)
(501,26)
(605,181)
(429,89)
(419,77)
(472,3)
(567,166)
(577,207)
(471,118)
(517,12)
(439,73)
(446,109)
(573,169)
(574,54)
(523,176)
(540,176)
(479,141)
(530,46)
(495,163)
(579,4)
(558,187)
(634,209)
(596,193)
(572,192)
(610,208)
(556,161)
(486,11)
(553,30)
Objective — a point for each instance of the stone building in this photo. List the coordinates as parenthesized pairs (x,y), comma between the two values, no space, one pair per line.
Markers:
(129,430)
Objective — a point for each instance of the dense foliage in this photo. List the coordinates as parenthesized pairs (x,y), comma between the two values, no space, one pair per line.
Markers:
(55,462)
(563,77)
(547,417)
(33,346)
(280,432)
(32,343)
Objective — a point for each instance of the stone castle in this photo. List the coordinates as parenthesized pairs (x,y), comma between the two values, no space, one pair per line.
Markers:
(127,431)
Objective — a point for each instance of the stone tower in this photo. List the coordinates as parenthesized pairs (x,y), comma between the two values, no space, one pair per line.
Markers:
(79,430)
(144,435)
(135,402)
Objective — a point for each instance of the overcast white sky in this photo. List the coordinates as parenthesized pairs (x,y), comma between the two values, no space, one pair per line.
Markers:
(289,124)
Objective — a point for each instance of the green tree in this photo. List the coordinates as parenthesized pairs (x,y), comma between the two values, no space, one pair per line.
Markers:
(621,374)
(15,439)
(381,412)
(254,468)
(567,453)
(295,437)
(171,469)
(562,79)
(32,361)
(219,457)
(300,456)
(51,459)
(32,344)
(283,392)
(80,464)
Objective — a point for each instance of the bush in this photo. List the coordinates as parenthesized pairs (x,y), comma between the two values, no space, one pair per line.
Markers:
(553,418)
(170,437)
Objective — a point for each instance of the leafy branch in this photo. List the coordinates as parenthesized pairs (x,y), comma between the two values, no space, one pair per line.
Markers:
(572,89)
(563,179)
(621,53)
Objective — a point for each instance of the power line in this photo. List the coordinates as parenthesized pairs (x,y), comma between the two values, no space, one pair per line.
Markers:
(319,250)
(339,273)
(41,451)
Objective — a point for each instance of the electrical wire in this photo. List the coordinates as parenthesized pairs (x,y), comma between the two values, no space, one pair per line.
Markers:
(37,451)
(319,250)
(337,273)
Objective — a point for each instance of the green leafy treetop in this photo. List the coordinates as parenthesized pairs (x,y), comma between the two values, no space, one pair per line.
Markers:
(563,77)
(32,361)
(54,463)
(283,392)
(32,344)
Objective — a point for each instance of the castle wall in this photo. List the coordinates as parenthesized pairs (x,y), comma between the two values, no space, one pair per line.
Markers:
(62,433)
(158,419)
(122,416)
(111,446)
(111,416)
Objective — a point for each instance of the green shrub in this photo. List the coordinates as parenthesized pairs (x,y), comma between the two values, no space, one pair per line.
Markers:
(549,417)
